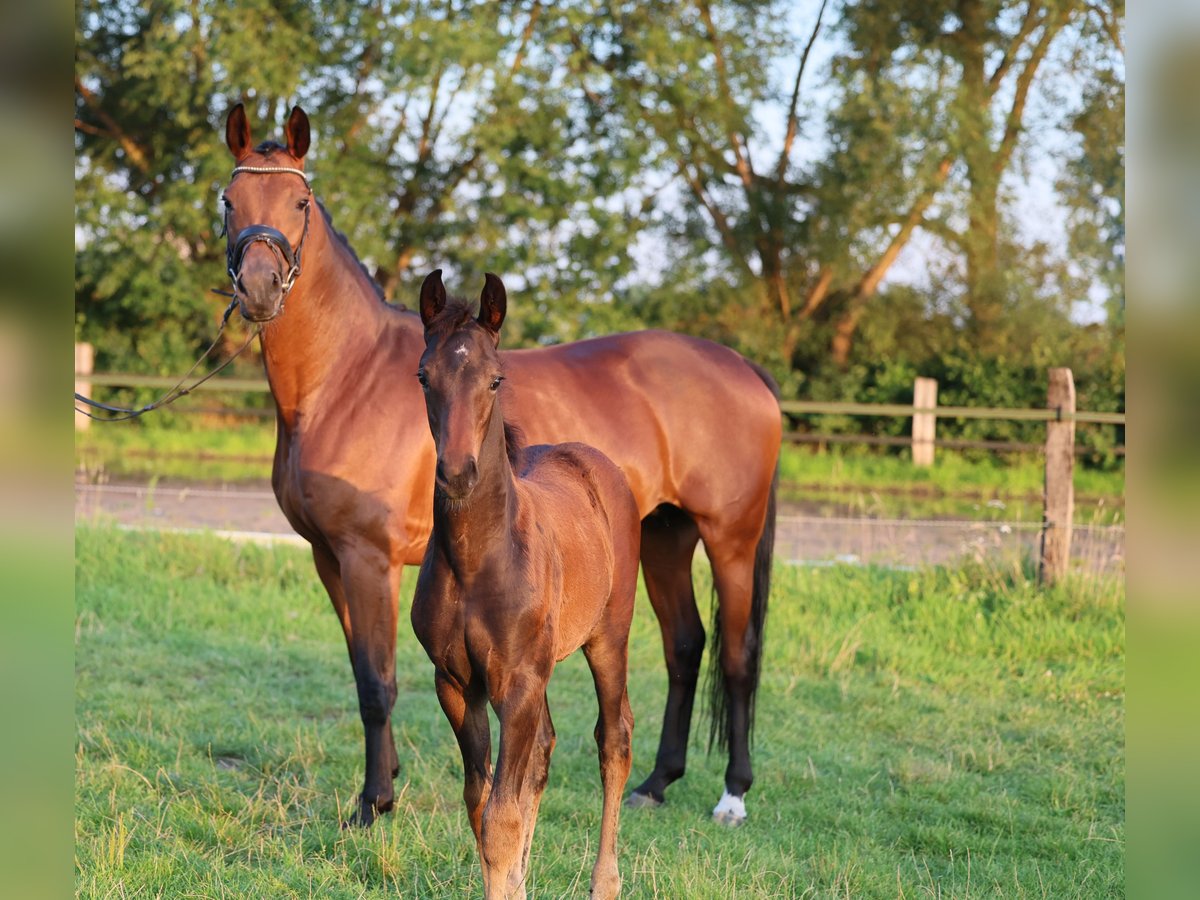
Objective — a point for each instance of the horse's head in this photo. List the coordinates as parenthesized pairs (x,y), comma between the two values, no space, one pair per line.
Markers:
(460,373)
(267,207)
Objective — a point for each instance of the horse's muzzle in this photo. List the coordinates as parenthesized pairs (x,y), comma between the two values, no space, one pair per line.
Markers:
(259,284)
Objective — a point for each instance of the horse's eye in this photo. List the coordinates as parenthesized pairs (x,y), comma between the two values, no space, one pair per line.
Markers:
(496,382)
(225,200)
(303,204)
(424,381)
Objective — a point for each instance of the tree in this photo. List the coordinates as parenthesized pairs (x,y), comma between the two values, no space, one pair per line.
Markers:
(443,138)
(930,109)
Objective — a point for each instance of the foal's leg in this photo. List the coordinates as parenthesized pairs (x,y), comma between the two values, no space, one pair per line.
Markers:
(468,717)
(535,780)
(363,587)
(608,655)
(503,834)
(668,543)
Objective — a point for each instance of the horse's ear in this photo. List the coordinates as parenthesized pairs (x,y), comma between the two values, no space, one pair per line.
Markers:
(433,296)
(493,303)
(297,133)
(237,132)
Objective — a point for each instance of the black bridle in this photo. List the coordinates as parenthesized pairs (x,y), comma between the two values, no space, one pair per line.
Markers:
(275,239)
(234,254)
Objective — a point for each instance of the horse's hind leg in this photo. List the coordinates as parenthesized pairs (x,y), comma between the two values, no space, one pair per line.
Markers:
(607,656)
(668,543)
(733,578)
(363,588)
(468,717)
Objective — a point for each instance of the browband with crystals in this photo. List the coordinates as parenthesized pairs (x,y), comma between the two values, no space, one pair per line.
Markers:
(267,170)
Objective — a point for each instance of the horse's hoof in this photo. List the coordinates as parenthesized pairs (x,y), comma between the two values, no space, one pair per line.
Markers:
(729,820)
(363,817)
(731,811)
(642,801)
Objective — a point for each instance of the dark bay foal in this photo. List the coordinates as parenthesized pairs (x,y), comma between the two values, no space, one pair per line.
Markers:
(533,555)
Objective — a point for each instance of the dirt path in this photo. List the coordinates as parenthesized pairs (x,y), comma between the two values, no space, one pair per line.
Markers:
(803,534)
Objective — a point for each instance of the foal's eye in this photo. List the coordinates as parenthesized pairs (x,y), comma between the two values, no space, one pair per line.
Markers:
(496,382)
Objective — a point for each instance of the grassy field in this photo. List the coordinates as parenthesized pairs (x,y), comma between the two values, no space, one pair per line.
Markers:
(843,480)
(943,733)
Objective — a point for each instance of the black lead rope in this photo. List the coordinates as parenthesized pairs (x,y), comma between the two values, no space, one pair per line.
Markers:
(122,413)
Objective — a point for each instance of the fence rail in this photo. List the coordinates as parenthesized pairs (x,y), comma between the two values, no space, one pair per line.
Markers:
(821,407)
(788,407)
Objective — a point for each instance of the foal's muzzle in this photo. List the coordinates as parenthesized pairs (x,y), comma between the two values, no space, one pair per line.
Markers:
(457,481)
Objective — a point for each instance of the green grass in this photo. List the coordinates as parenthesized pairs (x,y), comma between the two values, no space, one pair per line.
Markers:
(941,733)
(241,452)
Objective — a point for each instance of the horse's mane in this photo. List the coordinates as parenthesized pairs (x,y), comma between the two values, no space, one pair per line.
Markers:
(354,256)
(458,314)
(514,445)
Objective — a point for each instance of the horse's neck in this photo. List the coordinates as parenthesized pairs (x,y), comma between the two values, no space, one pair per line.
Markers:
(331,318)
(473,534)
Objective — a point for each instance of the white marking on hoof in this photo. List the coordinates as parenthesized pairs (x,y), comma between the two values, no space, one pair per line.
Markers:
(730,811)
(642,801)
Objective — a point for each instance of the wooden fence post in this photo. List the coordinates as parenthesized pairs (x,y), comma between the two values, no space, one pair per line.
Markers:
(85,358)
(1059,493)
(924,424)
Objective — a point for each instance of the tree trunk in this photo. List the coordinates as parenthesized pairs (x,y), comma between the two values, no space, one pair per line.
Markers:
(985,285)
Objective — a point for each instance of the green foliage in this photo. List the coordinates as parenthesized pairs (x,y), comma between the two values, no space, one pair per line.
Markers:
(444,136)
(951,732)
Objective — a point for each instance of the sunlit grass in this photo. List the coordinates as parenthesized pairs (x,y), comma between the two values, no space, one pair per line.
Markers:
(941,733)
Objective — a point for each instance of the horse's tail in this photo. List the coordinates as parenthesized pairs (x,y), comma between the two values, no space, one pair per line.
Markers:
(760,592)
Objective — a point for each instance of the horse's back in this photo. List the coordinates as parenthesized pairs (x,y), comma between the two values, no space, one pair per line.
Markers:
(690,422)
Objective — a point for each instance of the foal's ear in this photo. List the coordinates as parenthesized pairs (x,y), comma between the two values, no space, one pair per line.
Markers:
(296,132)
(492,304)
(433,296)
(237,132)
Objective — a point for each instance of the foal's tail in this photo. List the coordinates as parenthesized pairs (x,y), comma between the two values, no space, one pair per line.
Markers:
(763,554)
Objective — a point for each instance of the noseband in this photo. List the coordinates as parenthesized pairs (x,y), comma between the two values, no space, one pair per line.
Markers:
(280,246)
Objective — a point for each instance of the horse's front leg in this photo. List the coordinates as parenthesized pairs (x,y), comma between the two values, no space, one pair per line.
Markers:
(467,714)
(363,587)
(521,714)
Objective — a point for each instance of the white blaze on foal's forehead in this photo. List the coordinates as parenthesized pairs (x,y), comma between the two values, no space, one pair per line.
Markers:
(460,350)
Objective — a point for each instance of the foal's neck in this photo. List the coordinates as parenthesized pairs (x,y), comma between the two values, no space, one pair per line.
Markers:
(477,533)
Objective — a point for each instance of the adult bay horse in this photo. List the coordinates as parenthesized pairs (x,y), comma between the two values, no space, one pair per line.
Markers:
(694,427)
(534,554)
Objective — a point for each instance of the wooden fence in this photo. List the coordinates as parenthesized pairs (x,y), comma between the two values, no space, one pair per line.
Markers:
(1059,414)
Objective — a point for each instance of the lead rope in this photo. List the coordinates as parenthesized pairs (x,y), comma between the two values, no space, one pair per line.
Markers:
(122,413)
